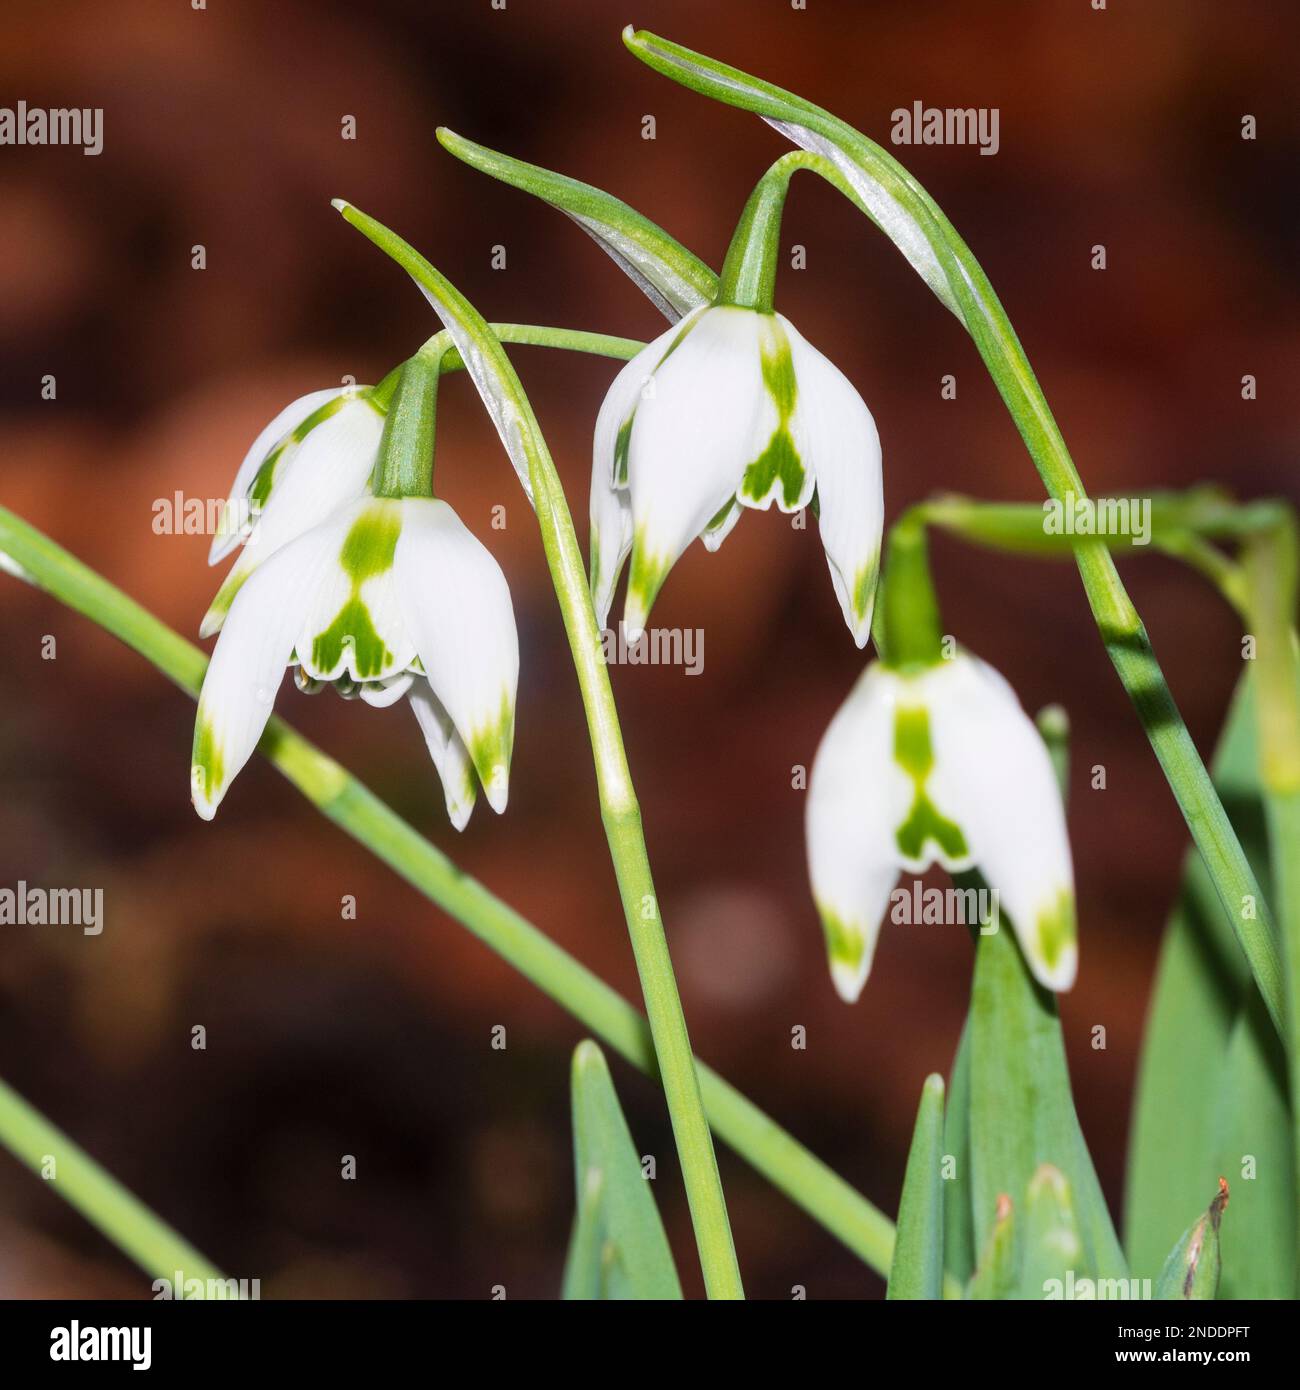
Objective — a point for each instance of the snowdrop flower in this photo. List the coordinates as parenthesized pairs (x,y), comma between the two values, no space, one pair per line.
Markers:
(731,408)
(937,763)
(385,597)
(315,455)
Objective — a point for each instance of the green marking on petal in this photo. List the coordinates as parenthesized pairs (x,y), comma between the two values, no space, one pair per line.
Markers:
(844,944)
(264,480)
(914,753)
(490,748)
(779,462)
(1054,929)
(862,596)
(647,576)
(207,764)
(367,552)
(622,444)
(721,514)
(225,596)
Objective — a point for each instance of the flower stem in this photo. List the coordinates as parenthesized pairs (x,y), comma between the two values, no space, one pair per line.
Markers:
(510,409)
(771,1150)
(96,1194)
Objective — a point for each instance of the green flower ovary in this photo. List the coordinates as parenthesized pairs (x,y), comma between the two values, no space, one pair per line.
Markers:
(914,753)
(367,552)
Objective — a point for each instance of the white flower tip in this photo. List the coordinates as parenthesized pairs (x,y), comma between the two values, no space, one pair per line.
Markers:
(212,621)
(340,204)
(459,813)
(629,33)
(849,980)
(205,805)
(1052,949)
(497,790)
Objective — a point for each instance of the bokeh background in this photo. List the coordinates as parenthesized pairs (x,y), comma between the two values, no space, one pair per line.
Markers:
(372,1037)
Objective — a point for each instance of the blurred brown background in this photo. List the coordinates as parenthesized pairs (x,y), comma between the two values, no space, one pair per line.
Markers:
(327,1037)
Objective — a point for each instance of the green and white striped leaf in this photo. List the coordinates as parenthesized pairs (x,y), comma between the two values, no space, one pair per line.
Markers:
(917,1267)
(618,1249)
(663,269)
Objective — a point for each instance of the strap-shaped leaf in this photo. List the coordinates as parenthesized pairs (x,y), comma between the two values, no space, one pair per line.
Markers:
(1022,1111)
(485,359)
(1211,1085)
(880,186)
(663,269)
(619,1249)
(958,1229)
(917,1268)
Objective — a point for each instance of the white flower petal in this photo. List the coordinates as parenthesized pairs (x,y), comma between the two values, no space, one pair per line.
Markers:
(450,756)
(691,439)
(330,468)
(837,437)
(381,694)
(720,530)
(248,665)
(994,772)
(857,794)
(776,469)
(456,605)
(353,625)
(610,508)
(236,522)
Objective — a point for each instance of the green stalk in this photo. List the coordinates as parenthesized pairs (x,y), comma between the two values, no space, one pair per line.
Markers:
(97,1195)
(771,1150)
(510,408)
(883,190)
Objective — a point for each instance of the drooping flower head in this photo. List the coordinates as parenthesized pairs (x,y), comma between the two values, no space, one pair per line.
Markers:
(731,408)
(937,764)
(377,596)
(318,453)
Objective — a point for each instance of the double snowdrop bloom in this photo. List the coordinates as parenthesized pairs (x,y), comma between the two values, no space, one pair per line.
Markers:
(942,764)
(731,408)
(315,455)
(379,597)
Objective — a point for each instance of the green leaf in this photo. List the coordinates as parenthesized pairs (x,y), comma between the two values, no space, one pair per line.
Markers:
(917,1267)
(997,1274)
(958,1230)
(1192,1269)
(675,280)
(1022,1112)
(619,1249)
(1052,1245)
(1211,1084)
(480,349)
